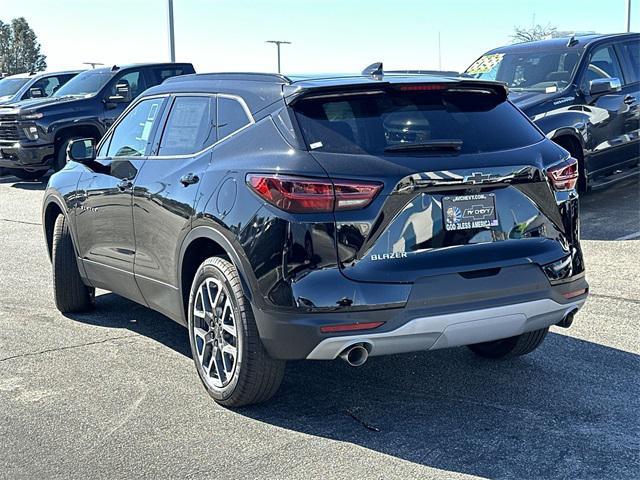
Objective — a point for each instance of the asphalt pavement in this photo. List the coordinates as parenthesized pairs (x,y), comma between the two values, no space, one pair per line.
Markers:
(114,394)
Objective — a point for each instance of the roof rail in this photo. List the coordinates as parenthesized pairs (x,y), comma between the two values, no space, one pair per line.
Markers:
(246,76)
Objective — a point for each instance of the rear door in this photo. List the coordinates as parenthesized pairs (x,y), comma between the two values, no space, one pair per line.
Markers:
(610,114)
(629,55)
(463,177)
(164,195)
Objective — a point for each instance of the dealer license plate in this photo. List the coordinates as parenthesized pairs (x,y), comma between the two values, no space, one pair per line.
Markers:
(469,211)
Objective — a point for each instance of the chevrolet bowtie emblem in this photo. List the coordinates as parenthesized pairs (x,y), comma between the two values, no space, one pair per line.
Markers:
(478,177)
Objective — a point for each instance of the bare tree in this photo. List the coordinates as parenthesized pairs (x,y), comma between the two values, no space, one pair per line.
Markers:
(537,32)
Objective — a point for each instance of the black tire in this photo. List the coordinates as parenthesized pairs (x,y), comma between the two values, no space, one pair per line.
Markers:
(70,293)
(61,154)
(512,346)
(24,175)
(256,376)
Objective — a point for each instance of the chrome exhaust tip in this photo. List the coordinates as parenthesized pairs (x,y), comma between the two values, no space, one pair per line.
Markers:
(568,319)
(355,355)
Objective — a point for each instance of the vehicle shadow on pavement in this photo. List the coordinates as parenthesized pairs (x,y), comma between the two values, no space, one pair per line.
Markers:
(610,213)
(568,410)
(114,311)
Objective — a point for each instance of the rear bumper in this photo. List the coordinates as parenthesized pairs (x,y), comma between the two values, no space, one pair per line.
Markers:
(454,329)
(439,311)
(21,157)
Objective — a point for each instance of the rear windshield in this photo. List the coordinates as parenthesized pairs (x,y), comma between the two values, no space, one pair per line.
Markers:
(378,122)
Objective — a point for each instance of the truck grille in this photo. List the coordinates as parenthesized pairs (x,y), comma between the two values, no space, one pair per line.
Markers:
(9,132)
(4,117)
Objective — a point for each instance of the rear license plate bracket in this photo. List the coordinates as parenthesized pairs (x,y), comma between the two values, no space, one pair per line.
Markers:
(464,212)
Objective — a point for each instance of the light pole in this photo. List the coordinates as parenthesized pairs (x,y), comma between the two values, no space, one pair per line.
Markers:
(628,15)
(277,44)
(172,39)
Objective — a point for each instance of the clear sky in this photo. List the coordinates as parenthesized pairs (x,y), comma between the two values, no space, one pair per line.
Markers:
(327,35)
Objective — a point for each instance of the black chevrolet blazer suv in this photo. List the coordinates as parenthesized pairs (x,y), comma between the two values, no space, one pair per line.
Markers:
(314,218)
(35,133)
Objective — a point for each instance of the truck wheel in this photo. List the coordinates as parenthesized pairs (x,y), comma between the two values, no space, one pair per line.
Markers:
(512,346)
(61,155)
(231,361)
(70,293)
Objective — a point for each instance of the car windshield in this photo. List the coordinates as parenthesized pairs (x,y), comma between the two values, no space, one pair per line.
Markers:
(86,83)
(412,123)
(545,72)
(10,86)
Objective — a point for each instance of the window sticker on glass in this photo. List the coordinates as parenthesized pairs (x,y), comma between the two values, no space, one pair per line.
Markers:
(146,129)
(485,63)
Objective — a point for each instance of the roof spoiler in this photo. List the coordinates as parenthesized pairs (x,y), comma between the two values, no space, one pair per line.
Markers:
(294,93)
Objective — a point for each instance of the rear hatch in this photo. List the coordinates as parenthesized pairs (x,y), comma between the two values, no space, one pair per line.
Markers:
(464,173)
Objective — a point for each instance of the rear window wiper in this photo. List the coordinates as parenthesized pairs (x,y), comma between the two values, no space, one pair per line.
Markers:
(433,145)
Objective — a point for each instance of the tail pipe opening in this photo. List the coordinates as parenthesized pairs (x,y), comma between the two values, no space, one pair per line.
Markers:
(355,355)
(568,319)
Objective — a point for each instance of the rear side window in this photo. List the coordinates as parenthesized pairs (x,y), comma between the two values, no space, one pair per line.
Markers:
(631,53)
(372,122)
(231,116)
(160,74)
(191,126)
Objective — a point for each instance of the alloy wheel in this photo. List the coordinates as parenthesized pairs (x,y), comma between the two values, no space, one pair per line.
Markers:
(215,333)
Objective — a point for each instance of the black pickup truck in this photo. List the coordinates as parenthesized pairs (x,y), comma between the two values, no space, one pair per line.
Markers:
(35,133)
(582,92)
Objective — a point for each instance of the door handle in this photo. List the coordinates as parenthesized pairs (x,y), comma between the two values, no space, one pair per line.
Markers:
(189,179)
(124,185)
(629,100)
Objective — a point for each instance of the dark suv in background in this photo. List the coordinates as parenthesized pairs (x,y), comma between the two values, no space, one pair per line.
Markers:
(290,218)
(35,133)
(24,86)
(583,92)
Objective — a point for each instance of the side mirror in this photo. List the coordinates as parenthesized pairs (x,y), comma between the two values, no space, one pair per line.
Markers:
(82,150)
(123,94)
(36,92)
(600,86)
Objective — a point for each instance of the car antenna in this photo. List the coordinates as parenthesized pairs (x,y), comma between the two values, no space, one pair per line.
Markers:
(374,70)
(573,41)
(115,68)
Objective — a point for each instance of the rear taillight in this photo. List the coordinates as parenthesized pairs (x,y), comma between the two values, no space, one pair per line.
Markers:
(564,176)
(310,195)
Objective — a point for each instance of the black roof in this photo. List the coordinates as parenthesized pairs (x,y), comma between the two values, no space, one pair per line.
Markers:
(262,89)
(559,43)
